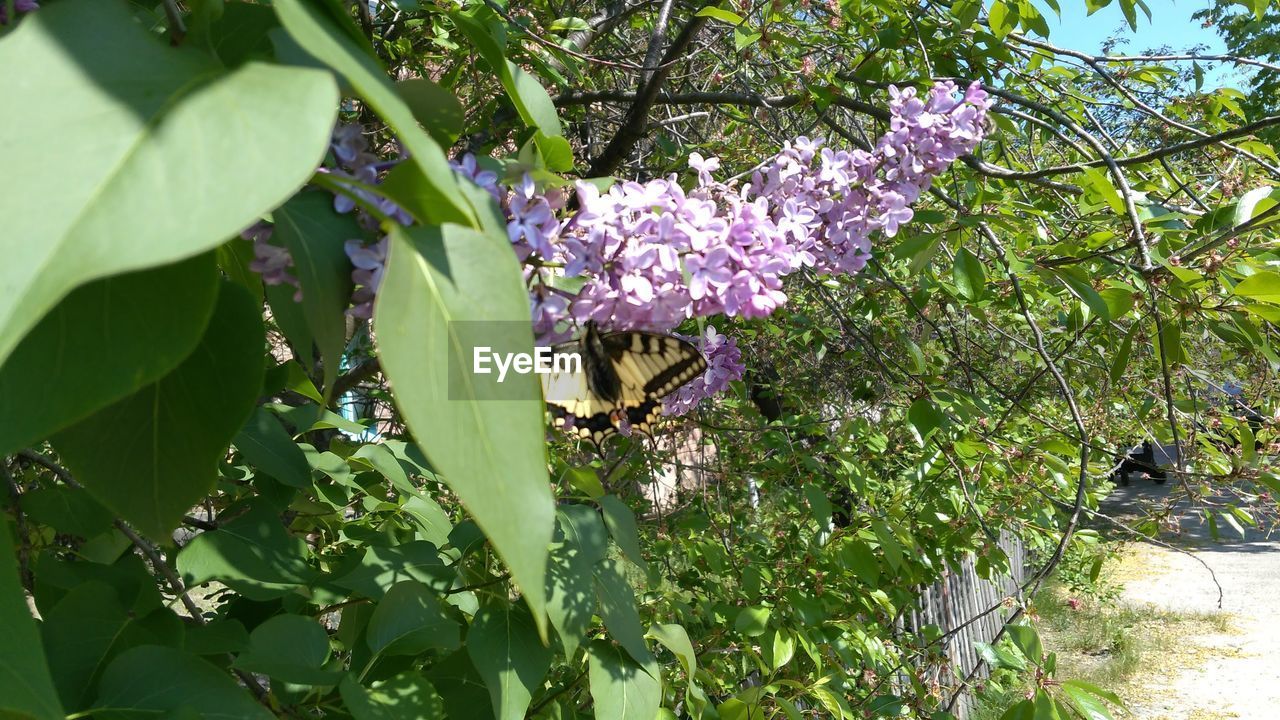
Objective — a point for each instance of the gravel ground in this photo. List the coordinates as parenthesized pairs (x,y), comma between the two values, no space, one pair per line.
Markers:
(1219,675)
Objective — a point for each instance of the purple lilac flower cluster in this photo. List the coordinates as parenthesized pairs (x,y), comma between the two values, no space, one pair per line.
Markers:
(652,254)
(22,6)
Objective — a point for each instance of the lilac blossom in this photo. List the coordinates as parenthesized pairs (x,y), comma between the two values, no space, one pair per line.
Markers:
(272,262)
(651,255)
(370,264)
(724,365)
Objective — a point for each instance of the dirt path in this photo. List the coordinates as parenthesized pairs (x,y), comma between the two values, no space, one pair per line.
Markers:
(1217,675)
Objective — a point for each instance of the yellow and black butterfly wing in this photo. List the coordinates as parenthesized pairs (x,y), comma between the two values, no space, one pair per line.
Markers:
(648,367)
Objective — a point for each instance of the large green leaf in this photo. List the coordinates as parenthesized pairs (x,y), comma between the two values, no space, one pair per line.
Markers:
(622,688)
(152,455)
(151,681)
(383,567)
(26,689)
(676,639)
(490,452)
(622,526)
(407,696)
(291,648)
(254,554)
(315,234)
(1079,284)
(161,153)
(1263,285)
(571,596)
(102,342)
(410,620)
(324,39)
(505,649)
(968,275)
(268,447)
(83,633)
(618,609)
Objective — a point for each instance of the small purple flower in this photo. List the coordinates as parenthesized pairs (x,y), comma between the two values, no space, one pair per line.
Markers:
(370,263)
(724,365)
(272,262)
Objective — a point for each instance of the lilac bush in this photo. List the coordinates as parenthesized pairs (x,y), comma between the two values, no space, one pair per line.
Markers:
(650,255)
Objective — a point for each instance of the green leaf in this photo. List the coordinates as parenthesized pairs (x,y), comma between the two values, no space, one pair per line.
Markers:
(84,631)
(1119,301)
(1130,16)
(858,557)
(152,455)
(999,657)
(622,688)
(1082,289)
(407,696)
(491,453)
(315,233)
(1027,640)
(1102,187)
(1092,689)
(571,598)
(531,99)
(676,639)
(151,681)
(324,40)
(585,480)
(743,38)
(778,647)
(1254,203)
(180,153)
(1121,359)
(819,505)
(1045,707)
(437,109)
(1021,710)
(1085,703)
(102,342)
(383,567)
(622,526)
(618,608)
(410,620)
(433,522)
(726,16)
(26,689)
(925,417)
(268,447)
(1001,18)
(1263,286)
(290,648)
(505,649)
(254,554)
(752,621)
(460,686)
(67,510)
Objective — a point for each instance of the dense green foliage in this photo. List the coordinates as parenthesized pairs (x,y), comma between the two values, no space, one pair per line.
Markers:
(222,501)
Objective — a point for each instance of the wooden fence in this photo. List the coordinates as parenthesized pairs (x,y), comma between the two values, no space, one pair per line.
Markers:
(957,604)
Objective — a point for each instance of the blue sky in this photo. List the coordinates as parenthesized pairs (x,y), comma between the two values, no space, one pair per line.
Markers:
(1170,25)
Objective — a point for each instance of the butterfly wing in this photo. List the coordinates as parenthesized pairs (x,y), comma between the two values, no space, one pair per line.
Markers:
(648,367)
